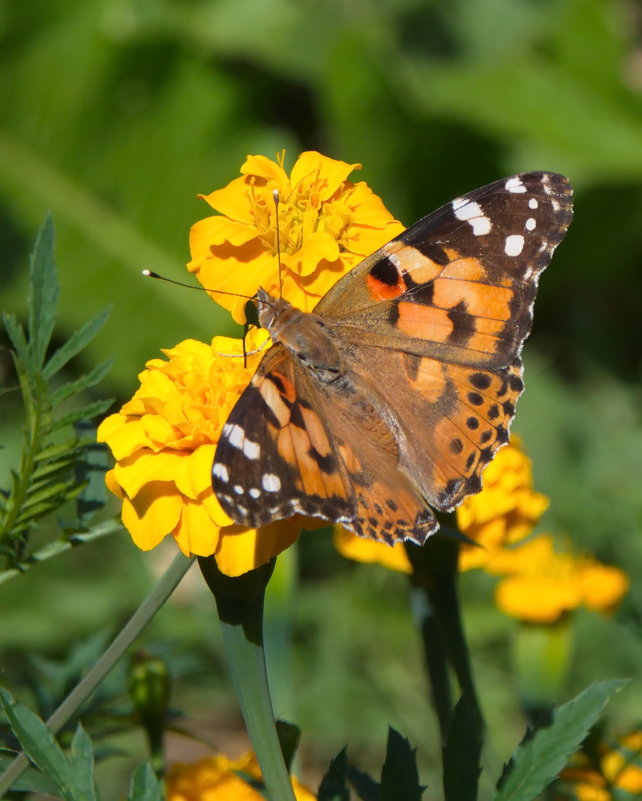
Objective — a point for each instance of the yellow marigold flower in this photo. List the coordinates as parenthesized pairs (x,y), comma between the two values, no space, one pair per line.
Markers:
(164,440)
(505,511)
(369,551)
(620,769)
(543,584)
(216,779)
(327,225)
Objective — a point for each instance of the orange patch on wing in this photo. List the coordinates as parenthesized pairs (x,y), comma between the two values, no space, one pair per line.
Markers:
(413,262)
(482,300)
(273,398)
(430,379)
(382,291)
(469,269)
(316,432)
(416,320)
(288,386)
(486,335)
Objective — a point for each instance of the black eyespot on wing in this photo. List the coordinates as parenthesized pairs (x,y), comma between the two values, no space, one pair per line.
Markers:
(385,272)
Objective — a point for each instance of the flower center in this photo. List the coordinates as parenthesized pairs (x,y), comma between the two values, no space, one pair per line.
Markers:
(300,215)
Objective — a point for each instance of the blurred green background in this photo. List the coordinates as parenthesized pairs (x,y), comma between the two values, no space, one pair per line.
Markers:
(116,113)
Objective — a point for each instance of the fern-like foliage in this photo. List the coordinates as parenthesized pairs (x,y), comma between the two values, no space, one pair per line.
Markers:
(57,453)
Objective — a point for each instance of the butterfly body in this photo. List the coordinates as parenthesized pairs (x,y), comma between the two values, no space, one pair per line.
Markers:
(392,396)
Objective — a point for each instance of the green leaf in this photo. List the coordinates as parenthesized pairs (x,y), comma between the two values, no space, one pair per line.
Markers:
(333,785)
(538,761)
(82,762)
(145,785)
(461,754)
(16,335)
(399,776)
(365,786)
(43,298)
(90,473)
(77,342)
(289,736)
(38,743)
(45,496)
(83,382)
(52,451)
(86,413)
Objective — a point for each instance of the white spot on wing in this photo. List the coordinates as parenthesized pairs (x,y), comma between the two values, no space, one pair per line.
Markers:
(251,449)
(271,482)
(235,435)
(254,493)
(515,185)
(470,212)
(530,224)
(238,489)
(220,471)
(514,245)
(532,203)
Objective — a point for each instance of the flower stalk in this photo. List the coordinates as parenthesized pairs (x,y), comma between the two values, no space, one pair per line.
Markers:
(435,574)
(240,602)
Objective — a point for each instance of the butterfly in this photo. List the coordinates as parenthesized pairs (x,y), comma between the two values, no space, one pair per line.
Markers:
(390,398)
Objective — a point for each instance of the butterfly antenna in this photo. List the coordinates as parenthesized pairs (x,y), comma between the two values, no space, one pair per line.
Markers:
(152,274)
(275,195)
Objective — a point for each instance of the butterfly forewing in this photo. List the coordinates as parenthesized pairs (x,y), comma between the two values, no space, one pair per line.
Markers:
(459,284)
(274,458)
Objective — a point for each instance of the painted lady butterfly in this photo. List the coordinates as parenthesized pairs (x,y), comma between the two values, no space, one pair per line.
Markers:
(400,387)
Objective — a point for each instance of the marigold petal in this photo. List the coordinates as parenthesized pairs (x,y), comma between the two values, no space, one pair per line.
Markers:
(196,532)
(144,468)
(270,171)
(113,485)
(362,550)
(316,248)
(240,273)
(602,586)
(214,510)
(193,473)
(536,599)
(329,173)
(152,514)
(125,436)
(241,549)
(212,231)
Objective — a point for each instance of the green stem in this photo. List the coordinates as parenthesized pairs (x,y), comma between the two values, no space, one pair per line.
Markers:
(436,659)
(141,617)
(435,570)
(240,607)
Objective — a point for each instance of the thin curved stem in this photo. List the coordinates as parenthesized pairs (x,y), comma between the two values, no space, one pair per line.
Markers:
(141,617)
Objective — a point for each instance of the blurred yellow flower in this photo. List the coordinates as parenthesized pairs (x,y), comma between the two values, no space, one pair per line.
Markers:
(369,551)
(217,778)
(504,512)
(164,440)
(327,225)
(620,769)
(542,585)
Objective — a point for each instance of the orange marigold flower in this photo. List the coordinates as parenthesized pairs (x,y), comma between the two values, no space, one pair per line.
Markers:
(505,511)
(327,225)
(620,768)
(217,778)
(543,585)
(164,440)
(361,550)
